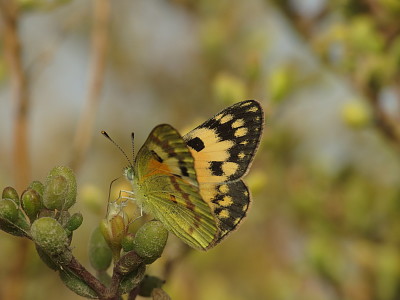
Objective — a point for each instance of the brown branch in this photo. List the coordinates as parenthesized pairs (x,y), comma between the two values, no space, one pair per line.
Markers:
(80,271)
(99,49)
(128,263)
(12,49)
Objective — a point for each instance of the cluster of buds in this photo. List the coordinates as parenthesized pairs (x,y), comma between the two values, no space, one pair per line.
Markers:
(41,214)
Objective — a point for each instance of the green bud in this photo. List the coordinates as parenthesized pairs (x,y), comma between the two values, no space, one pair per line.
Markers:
(60,189)
(8,210)
(100,254)
(113,232)
(38,187)
(127,242)
(48,234)
(31,202)
(10,193)
(74,222)
(150,241)
(55,191)
(132,280)
(148,284)
(77,285)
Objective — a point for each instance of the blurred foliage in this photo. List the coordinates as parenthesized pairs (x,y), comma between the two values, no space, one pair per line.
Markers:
(325,217)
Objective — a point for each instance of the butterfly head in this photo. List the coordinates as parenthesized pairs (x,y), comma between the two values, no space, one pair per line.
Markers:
(129,173)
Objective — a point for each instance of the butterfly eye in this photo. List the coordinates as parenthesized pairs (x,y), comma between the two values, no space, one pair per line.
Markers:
(128,172)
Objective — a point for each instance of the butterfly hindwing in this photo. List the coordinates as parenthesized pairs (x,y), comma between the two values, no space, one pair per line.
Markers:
(223,147)
(166,185)
(229,202)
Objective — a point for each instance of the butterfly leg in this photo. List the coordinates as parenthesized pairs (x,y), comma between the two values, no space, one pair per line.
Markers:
(131,197)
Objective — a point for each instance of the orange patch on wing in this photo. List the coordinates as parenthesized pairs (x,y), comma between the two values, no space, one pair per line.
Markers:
(158,168)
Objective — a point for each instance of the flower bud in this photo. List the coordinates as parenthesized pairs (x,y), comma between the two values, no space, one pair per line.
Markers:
(48,234)
(10,193)
(55,191)
(113,231)
(8,210)
(60,189)
(100,254)
(77,285)
(38,187)
(150,241)
(74,222)
(31,202)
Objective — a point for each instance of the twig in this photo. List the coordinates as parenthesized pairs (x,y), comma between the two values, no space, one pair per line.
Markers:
(21,164)
(99,49)
(89,279)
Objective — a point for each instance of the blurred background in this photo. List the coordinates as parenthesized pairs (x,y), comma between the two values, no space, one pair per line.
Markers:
(325,217)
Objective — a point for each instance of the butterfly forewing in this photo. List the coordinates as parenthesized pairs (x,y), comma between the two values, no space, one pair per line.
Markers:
(224,146)
(166,185)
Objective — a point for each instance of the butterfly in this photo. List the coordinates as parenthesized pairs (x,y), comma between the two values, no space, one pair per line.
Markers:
(192,183)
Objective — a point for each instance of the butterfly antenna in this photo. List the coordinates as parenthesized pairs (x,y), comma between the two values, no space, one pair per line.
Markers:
(133,143)
(120,149)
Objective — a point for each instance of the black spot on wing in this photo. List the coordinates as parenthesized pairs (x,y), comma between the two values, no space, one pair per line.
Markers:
(196,144)
(156,156)
(184,170)
(216,168)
